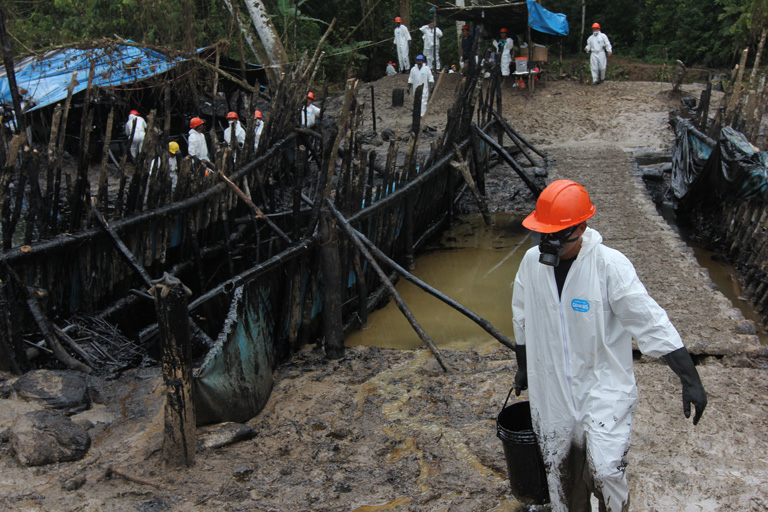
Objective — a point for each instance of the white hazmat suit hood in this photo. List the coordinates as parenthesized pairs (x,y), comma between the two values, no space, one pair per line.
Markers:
(579,360)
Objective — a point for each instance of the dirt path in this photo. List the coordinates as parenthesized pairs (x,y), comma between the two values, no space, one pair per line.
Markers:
(388,430)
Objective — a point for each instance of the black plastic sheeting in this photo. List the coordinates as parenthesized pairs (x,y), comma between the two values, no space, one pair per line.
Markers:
(707,176)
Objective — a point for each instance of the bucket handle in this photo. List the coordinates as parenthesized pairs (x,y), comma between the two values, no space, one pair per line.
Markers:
(508,395)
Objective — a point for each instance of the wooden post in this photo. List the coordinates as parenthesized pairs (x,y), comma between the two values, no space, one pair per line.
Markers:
(408,225)
(13,357)
(180,429)
(373,108)
(416,117)
(11,73)
(333,325)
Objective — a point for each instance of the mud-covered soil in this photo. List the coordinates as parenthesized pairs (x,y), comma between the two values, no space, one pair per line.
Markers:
(384,429)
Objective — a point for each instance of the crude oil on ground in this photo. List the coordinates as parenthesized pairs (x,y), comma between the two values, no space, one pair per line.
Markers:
(385,429)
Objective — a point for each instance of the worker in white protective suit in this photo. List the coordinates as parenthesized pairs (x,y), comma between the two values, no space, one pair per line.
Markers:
(402,43)
(597,47)
(504,45)
(257,129)
(431,35)
(234,130)
(135,130)
(196,144)
(421,75)
(577,304)
(309,112)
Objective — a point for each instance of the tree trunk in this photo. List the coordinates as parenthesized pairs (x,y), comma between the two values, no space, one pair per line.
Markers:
(273,47)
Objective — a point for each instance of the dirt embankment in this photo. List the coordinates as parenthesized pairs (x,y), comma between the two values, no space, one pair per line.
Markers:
(388,430)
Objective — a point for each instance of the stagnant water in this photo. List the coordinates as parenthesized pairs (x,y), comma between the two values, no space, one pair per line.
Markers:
(474,264)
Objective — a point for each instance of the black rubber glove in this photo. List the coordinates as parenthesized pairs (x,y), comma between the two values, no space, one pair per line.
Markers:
(693,392)
(521,377)
(408,90)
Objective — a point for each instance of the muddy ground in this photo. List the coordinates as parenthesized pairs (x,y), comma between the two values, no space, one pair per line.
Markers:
(385,429)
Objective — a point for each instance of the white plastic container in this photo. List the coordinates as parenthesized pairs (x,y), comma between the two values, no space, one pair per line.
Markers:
(521,64)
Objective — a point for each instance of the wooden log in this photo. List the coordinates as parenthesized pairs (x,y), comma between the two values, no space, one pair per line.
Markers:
(13,356)
(511,161)
(518,139)
(45,326)
(257,213)
(332,288)
(180,428)
(463,167)
(702,111)
(102,196)
(353,235)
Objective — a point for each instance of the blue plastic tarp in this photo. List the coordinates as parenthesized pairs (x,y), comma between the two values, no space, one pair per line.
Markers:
(46,79)
(545,21)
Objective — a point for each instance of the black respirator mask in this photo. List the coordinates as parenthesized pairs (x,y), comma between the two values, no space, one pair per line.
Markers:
(552,245)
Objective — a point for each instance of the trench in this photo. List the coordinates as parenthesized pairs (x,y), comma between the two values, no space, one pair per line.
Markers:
(472,263)
(724,276)
(721,272)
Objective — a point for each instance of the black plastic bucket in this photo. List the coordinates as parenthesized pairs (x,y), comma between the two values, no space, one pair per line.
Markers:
(521,451)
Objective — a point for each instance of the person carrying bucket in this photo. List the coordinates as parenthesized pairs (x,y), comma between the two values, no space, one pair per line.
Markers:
(576,306)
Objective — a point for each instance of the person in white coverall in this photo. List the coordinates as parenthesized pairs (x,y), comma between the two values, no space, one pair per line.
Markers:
(597,47)
(421,75)
(135,130)
(431,36)
(309,112)
(402,43)
(233,121)
(577,304)
(257,129)
(504,45)
(196,145)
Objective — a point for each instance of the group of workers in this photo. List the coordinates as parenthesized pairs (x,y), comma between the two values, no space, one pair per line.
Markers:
(598,46)
(431,35)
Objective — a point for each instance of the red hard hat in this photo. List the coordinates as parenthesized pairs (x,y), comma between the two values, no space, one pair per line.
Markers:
(134,113)
(311,95)
(465,27)
(195,122)
(257,114)
(232,115)
(596,25)
(398,20)
(564,203)
(503,31)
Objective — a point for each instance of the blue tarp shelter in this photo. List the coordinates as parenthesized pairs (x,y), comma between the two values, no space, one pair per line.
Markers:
(46,79)
(516,16)
(545,21)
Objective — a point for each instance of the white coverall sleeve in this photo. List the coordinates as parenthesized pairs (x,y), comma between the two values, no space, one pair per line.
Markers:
(407,33)
(607,44)
(638,313)
(518,309)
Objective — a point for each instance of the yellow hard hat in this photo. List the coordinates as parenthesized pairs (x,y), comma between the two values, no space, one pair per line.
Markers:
(173,147)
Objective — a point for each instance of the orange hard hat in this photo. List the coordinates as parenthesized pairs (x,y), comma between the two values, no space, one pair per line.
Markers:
(134,113)
(398,20)
(232,115)
(257,114)
(195,122)
(596,25)
(465,27)
(503,31)
(311,95)
(564,203)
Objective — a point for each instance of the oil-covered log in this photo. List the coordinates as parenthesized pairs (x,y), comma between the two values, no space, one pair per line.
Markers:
(180,428)
(332,293)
